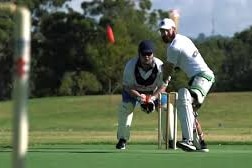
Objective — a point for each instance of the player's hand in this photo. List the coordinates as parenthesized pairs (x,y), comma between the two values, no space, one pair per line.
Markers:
(148,104)
(142,98)
(148,107)
(150,98)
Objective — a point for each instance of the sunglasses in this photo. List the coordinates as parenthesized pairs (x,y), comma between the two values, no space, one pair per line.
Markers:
(146,53)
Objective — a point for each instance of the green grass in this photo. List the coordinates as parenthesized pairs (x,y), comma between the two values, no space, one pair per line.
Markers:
(225,117)
(147,156)
(81,132)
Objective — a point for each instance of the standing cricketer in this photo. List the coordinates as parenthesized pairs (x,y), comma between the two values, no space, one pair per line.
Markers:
(142,83)
(182,53)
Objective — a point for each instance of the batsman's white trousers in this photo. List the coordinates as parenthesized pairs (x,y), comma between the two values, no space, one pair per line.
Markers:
(185,113)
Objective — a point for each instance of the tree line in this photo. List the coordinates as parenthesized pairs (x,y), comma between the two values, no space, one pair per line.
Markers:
(72,56)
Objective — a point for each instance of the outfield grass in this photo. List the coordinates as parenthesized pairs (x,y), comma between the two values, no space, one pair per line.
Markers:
(225,117)
(136,156)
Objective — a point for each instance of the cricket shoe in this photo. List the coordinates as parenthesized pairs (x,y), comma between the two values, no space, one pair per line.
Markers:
(200,145)
(186,145)
(170,144)
(121,144)
(203,147)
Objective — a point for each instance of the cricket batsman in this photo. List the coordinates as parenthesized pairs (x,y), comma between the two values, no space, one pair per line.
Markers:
(182,53)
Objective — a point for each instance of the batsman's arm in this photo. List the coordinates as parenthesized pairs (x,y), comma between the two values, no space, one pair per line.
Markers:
(167,69)
(159,90)
(162,86)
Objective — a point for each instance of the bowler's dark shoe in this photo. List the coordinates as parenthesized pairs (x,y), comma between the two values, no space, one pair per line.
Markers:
(121,144)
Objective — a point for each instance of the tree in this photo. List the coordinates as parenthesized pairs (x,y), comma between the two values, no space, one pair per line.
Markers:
(63,49)
(68,45)
(110,59)
(79,83)
(6,54)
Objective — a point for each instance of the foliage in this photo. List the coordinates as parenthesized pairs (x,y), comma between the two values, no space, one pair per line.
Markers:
(78,84)
(6,52)
(68,42)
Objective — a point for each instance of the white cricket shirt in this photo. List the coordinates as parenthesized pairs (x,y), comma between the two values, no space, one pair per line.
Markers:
(129,78)
(184,54)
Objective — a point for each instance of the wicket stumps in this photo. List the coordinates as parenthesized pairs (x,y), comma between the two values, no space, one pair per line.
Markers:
(170,114)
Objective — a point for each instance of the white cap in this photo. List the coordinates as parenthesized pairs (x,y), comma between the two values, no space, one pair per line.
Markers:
(166,24)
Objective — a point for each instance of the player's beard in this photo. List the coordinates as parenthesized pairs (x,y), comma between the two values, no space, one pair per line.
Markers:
(168,39)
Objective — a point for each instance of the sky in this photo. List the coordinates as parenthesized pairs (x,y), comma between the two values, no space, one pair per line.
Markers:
(218,17)
(221,17)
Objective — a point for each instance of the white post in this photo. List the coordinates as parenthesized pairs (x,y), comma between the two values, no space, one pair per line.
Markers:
(21,86)
(159,121)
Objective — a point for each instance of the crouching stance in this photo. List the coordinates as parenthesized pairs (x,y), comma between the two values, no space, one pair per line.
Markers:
(142,83)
